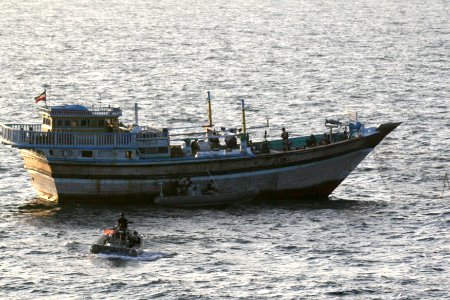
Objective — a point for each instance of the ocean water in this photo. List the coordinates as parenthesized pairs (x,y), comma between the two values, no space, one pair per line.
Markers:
(383,234)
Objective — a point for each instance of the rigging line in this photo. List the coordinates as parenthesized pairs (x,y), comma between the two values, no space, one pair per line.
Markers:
(380,164)
(212,177)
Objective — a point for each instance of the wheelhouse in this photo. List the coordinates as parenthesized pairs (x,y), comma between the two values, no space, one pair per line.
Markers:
(78,118)
(78,132)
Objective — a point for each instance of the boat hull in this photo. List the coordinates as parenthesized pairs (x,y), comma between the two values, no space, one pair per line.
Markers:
(101,246)
(103,249)
(313,173)
(205,200)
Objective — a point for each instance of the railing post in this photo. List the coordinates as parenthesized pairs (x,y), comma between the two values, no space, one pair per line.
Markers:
(133,140)
(14,137)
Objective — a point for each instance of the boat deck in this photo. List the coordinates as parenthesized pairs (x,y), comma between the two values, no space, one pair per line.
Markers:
(29,136)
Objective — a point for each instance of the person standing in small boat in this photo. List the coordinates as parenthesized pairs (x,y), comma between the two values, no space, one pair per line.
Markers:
(285,137)
(122,222)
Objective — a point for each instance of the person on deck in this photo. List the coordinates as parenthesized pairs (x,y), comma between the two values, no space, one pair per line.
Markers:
(214,141)
(109,127)
(325,139)
(231,142)
(312,141)
(195,147)
(285,137)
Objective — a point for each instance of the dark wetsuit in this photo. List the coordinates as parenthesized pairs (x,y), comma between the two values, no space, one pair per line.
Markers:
(122,223)
(195,147)
(285,137)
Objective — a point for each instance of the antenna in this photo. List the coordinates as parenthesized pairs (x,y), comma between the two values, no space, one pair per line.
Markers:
(136,114)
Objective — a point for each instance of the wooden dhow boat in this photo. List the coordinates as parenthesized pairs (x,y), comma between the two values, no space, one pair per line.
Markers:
(86,154)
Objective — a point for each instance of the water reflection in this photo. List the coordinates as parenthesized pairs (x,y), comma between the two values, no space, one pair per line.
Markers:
(39,208)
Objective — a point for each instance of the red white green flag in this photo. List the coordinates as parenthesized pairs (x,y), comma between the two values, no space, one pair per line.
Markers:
(42,96)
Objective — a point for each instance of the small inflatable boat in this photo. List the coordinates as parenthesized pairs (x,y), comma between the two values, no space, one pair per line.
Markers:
(121,242)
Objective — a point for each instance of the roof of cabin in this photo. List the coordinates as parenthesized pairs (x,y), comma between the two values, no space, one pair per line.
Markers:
(77,110)
(70,107)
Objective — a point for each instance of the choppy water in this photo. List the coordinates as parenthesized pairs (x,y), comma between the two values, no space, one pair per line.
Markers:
(383,235)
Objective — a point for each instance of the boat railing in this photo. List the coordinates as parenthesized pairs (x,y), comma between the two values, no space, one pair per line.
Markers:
(17,136)
(30,127)
(98,111)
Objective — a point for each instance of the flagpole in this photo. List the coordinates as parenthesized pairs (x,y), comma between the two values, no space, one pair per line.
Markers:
(49,89)
(45,100)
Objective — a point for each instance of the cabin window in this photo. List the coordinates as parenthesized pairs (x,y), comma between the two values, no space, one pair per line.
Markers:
(74,123)
(85,123)
(46,121)
(150,150)
(51,152)
(101,123)
(67,153)
(67,123)
(86,154)
(163,149)
(59,123)
(104,154)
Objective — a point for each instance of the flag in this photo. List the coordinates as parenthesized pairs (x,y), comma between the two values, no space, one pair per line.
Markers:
(109,231)
(42,96)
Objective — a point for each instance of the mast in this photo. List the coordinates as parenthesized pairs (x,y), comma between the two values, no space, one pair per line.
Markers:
(244,128)
(209,110)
